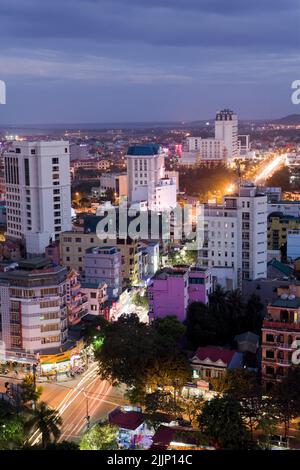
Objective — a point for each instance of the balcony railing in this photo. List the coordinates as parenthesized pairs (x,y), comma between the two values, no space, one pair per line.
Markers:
(279,324)
(283,362)
(285,346)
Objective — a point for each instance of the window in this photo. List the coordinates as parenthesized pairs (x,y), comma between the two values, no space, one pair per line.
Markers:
(54,161)
(32,151)
(26,171)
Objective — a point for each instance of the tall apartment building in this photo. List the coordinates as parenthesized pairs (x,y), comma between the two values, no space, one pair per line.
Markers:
(226,129)
(146,178)
(104,265)
(235,235)
(172,289)
(33,306)
(280,334)
(37,176)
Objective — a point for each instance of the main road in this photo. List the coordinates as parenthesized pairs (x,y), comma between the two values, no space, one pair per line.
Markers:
(77,399)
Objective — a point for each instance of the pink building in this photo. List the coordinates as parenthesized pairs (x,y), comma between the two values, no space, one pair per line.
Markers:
(172,289)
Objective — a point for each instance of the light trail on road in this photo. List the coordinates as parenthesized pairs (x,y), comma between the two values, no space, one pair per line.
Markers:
(273,166)
(73,406)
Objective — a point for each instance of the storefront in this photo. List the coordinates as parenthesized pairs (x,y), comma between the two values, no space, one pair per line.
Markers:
(64,363)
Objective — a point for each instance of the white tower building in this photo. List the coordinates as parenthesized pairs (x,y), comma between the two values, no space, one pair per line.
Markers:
(226,129)
(236,235)
(38,188)
(146,178)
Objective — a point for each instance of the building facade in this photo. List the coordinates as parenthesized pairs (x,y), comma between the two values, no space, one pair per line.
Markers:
(146,178)
(104,265)
(235,234)
(38,188)
(279,225)
(280,335)
(33,306)
(171,290)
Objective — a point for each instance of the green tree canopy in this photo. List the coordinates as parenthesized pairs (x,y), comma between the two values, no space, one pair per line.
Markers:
(221,421)
(100,437)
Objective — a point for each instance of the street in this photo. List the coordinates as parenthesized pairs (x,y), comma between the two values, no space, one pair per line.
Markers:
(77,399)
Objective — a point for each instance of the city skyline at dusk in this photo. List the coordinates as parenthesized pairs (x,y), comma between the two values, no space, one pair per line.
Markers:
(137,61)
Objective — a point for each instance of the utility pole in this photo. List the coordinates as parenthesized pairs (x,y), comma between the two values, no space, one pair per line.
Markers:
(34,366)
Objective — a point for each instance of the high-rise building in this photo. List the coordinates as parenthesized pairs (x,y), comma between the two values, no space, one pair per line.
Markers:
(33,306)
(226,129)
(38,189)
(235,235)
(146,178)
(223,147)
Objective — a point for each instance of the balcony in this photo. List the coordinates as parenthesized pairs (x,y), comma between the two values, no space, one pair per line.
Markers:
(277,324)
(269,359)
(283,362)
(285,346)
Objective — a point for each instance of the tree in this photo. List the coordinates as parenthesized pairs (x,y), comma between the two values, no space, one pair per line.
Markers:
(30,392)
(171,371)
(254,316)
(127,350)
(286,398)
(11,428)
(192,408)
(221,421)
(198,328)
(100,437)
(169,327)
(94,330)
(256,410)
(46,421)
(64,445)
(140,300)
(159,403)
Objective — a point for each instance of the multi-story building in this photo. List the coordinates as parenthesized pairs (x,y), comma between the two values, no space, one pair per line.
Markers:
(33,306)
(172,289)
(291,208)
(38,192)
(221,148)
(114,182)
(226,130)
(79,151)
(278,226)
(235,235)
(103,264)
(73,246)
(76,300)
(97,164)
(280,335)
(96,297)
(198,150)
(146,178)
(293,245)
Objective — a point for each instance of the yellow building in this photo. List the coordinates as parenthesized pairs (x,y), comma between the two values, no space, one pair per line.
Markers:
(73,246)
(278,227)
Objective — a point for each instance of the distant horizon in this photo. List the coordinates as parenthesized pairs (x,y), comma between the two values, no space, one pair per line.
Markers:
(135,123)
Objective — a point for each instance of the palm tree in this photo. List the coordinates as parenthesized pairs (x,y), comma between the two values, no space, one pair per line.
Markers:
(46,421)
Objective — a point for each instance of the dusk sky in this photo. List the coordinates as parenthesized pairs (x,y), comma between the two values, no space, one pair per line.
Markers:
(88,61)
